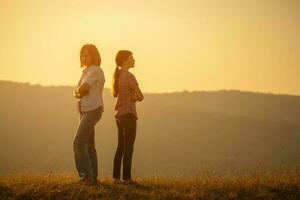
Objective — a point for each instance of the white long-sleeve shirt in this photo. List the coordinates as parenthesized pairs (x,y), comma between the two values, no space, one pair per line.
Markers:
(94,76)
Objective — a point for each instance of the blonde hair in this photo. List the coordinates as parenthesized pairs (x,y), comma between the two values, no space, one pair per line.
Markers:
(93,52)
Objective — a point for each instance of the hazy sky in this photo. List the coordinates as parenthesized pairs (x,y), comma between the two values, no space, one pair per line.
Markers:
(178,45)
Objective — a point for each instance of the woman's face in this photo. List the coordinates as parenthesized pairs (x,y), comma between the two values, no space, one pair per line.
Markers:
(130,61)
(85,58)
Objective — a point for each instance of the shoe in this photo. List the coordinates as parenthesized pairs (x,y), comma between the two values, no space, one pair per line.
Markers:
(129,182)
(89,181)
(93,182)
(82,181)
(117,181)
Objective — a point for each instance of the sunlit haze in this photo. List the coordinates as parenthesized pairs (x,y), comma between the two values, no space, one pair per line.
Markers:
(178,45)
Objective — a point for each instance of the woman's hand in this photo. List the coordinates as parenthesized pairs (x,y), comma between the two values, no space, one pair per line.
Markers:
(77,95)
(138,95)
(82,91)
(134,98)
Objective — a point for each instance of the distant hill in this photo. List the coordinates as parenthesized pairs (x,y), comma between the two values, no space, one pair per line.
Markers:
(180,133)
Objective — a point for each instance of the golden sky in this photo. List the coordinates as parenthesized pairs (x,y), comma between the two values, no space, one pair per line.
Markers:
(190,45)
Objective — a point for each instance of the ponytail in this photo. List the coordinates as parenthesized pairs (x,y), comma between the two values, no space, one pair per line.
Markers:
(115,82)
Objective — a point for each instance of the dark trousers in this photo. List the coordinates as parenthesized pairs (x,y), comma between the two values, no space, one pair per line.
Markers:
(85,153)
(126,137)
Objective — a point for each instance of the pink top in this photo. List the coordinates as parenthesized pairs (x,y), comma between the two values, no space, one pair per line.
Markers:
(126,85)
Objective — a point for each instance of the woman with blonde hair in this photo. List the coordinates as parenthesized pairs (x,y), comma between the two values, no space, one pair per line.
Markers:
(90,107)
(126,89)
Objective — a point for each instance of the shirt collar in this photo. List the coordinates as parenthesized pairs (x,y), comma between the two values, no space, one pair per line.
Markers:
(88,68)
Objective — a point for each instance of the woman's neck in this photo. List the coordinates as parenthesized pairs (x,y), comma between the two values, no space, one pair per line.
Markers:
(124,68)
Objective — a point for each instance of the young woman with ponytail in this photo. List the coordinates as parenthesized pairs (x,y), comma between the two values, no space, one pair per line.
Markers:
(126,89)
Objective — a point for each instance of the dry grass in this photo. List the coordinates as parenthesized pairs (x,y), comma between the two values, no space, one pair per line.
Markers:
(263,185)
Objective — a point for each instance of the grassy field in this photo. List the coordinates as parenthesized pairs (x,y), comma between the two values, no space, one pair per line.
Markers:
(262,185)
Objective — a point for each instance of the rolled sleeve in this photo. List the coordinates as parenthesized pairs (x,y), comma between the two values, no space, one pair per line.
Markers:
(93,76)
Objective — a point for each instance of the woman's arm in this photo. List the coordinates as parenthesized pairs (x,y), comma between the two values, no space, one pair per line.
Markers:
(133,84)
(82,90)
(92,77)
(138,95)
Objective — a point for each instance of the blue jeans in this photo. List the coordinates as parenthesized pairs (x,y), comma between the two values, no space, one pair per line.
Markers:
(85,153)
(126,137)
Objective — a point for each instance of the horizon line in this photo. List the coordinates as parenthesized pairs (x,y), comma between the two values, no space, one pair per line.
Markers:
(165,92)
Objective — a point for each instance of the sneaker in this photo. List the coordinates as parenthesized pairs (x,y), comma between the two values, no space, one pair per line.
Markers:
(94,182)
(82,181)
(117,181)
(88,181)
(129,182)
